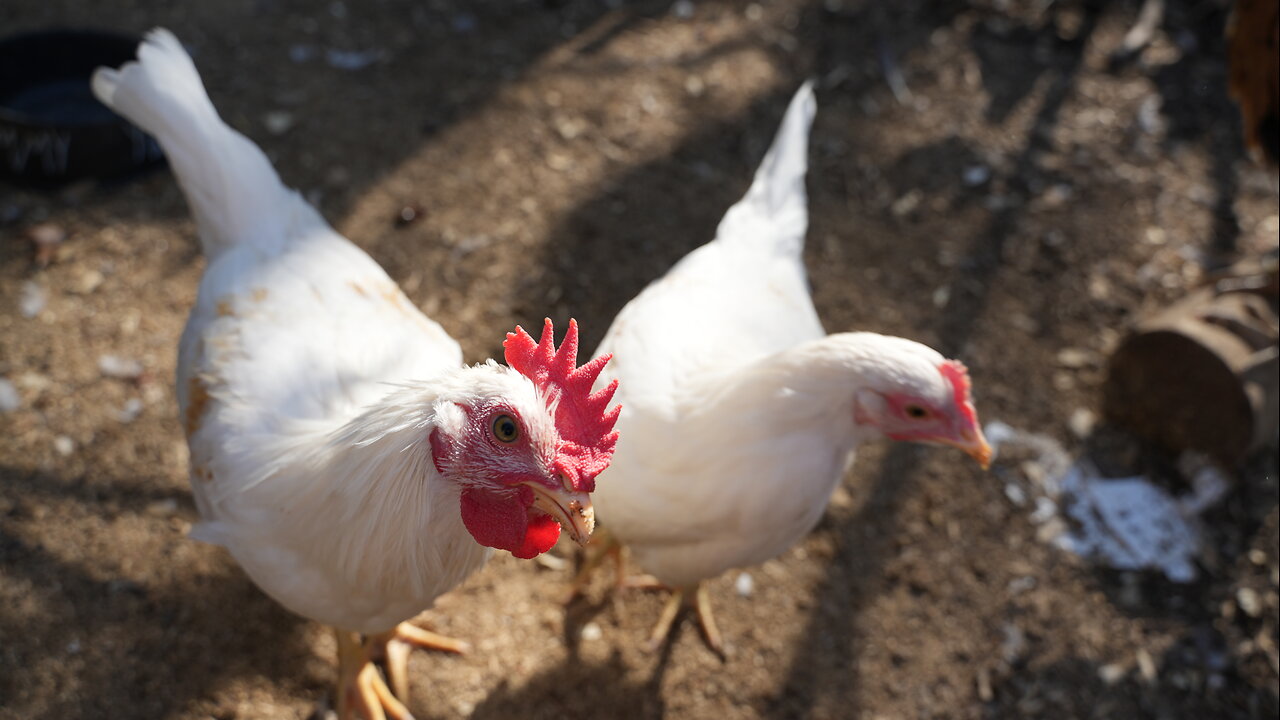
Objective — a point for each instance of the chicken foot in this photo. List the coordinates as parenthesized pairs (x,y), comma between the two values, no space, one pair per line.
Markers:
(696,598)
(362,692)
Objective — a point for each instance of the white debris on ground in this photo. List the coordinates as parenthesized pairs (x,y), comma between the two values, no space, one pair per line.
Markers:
(1127,523)
(115,366)
(32,299)
(9,398)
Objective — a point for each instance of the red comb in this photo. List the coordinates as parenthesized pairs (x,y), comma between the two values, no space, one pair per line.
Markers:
(584,419)
(958,374)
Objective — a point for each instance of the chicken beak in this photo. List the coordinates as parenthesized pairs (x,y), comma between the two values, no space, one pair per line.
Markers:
(972,442)
(572,510)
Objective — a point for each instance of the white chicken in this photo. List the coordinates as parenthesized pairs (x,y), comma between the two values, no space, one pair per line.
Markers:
(339,448)
(740,414)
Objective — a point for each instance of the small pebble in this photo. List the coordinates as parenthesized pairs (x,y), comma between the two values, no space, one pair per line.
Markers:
(302,53)
(1074,357)
(47,238)
(905,204)
(975,175)
(64,445)
(1146,665)
(162,508)
(32,299)
(278,122)
(1249,602)
(352,59)
(1057,195)
(942,296)
(744,585)
(86,282)
(1015,493)
(591,632)
(1082,422)
(114,366)
(408,215)
(1017,586)
(984,685)
(131,410)
(1112,673)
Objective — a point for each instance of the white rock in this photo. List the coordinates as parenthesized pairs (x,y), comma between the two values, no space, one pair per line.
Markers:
(1249,602)
(131,410)
(1112,673)
(591,632)
(1074,357)
(1082,422)
(744,585)
(278,122)
(114,366)
(64,445)
(975,175)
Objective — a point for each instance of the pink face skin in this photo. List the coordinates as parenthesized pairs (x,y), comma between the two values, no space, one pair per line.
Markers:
(906,417)
(515,494)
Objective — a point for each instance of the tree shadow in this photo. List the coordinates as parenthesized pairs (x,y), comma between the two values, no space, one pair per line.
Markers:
(576,689)
(850,584)
(409,69)
(169,642)
(1075,687)
(1197,109)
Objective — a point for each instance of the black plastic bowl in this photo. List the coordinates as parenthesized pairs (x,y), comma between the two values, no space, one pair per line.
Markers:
(52,129)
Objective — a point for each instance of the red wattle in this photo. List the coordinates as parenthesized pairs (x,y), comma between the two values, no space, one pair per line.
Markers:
(504,522)
(541,533)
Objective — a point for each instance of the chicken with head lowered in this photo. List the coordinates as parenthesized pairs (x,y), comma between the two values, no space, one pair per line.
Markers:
(340,450)
(740,414)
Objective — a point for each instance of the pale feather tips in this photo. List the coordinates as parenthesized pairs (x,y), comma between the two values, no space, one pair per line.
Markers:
(584,419)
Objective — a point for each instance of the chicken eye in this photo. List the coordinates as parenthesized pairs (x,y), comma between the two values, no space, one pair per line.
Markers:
(916,412)
(505,429)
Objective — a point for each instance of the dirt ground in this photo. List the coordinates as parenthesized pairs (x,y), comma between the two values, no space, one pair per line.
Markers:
(981,180)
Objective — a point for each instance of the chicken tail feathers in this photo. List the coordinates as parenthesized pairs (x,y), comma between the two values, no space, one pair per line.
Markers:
(234,193)
(774,213)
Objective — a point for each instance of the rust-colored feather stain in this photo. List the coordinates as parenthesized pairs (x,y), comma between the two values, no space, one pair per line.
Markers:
(197,403)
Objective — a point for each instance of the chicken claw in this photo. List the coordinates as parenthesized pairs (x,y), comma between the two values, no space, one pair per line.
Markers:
(362,692)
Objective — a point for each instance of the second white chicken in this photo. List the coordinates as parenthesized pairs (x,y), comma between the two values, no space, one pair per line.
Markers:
(740,414)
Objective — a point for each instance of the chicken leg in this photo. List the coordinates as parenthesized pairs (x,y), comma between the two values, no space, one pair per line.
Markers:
(681,598)
(604,546)
(362,692)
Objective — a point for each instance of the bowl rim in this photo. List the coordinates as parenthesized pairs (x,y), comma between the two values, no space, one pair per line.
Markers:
(29,122)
